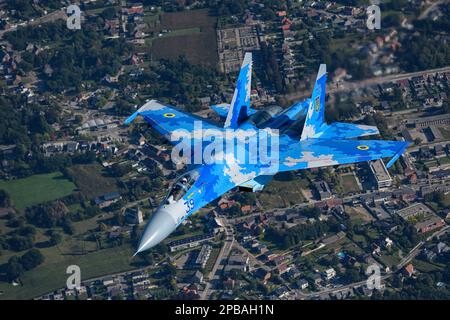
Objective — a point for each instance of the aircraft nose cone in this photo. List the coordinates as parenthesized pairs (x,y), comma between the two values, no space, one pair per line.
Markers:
(158,228)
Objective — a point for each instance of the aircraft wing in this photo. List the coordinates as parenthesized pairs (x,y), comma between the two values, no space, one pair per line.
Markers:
(341,130)
(313,153)
(167,119)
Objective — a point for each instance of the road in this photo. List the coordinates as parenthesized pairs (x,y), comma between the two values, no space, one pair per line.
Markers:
(214,275)
(52,16)
(348,86)
(434,6)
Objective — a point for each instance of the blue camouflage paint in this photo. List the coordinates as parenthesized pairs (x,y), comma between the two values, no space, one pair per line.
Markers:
(320,145)
(241,98)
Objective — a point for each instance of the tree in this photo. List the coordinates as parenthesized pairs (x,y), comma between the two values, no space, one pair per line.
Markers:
(109,13)
(169,270)
(417,141)
(392,20)
(19,243)
(234,210)
(352,275)
(5,199)
(31,259)
(13,268)
(68,227)
(161,249)
(55,238)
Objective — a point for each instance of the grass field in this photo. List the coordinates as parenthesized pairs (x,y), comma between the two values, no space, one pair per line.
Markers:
(37,188)
(278,194)
(211,261)
(52,273)
(91,180)
(390,260)
(424,266)
(191,33)
(358,215)
(445,133)
(349,183)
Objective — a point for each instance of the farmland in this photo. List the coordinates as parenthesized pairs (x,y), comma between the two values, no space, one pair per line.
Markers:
(189,33)
(91,180)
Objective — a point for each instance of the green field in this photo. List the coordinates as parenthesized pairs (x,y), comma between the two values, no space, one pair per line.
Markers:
(211,261)
(445,133)
(52,275)
(38,188)
(349,183)
(424,266)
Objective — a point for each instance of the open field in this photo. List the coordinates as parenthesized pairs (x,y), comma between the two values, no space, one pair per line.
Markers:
(445,133)
(358,215)
(279,194)
(349,183)
(424,266)
(191,33)
(37,188)
(390,260)
(187,19)
(52,273)
(91,180)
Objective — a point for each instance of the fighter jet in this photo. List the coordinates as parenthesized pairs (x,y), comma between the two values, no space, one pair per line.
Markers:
(304,140)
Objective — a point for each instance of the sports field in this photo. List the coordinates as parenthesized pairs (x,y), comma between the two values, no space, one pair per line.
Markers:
(37,189)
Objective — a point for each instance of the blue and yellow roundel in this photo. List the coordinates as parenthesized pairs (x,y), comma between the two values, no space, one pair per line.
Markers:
(169,115)
(363,148)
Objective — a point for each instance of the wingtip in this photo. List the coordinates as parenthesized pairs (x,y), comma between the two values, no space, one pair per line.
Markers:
(322,71)
(248,57)
(131,118)
(398,154)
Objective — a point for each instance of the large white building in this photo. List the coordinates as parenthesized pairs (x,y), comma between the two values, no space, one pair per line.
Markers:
(380,173)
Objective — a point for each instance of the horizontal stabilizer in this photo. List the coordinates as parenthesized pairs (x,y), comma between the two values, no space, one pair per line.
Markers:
(223,109)
(256,184)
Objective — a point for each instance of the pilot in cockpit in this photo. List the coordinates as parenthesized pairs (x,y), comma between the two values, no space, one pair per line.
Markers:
(178,190)
(181,187)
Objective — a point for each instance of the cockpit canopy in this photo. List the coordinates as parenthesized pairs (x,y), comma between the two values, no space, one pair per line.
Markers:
(180,187)
(262,117)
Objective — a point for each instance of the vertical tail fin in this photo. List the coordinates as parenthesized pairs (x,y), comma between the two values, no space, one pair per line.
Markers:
(315,118)
(241,98)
